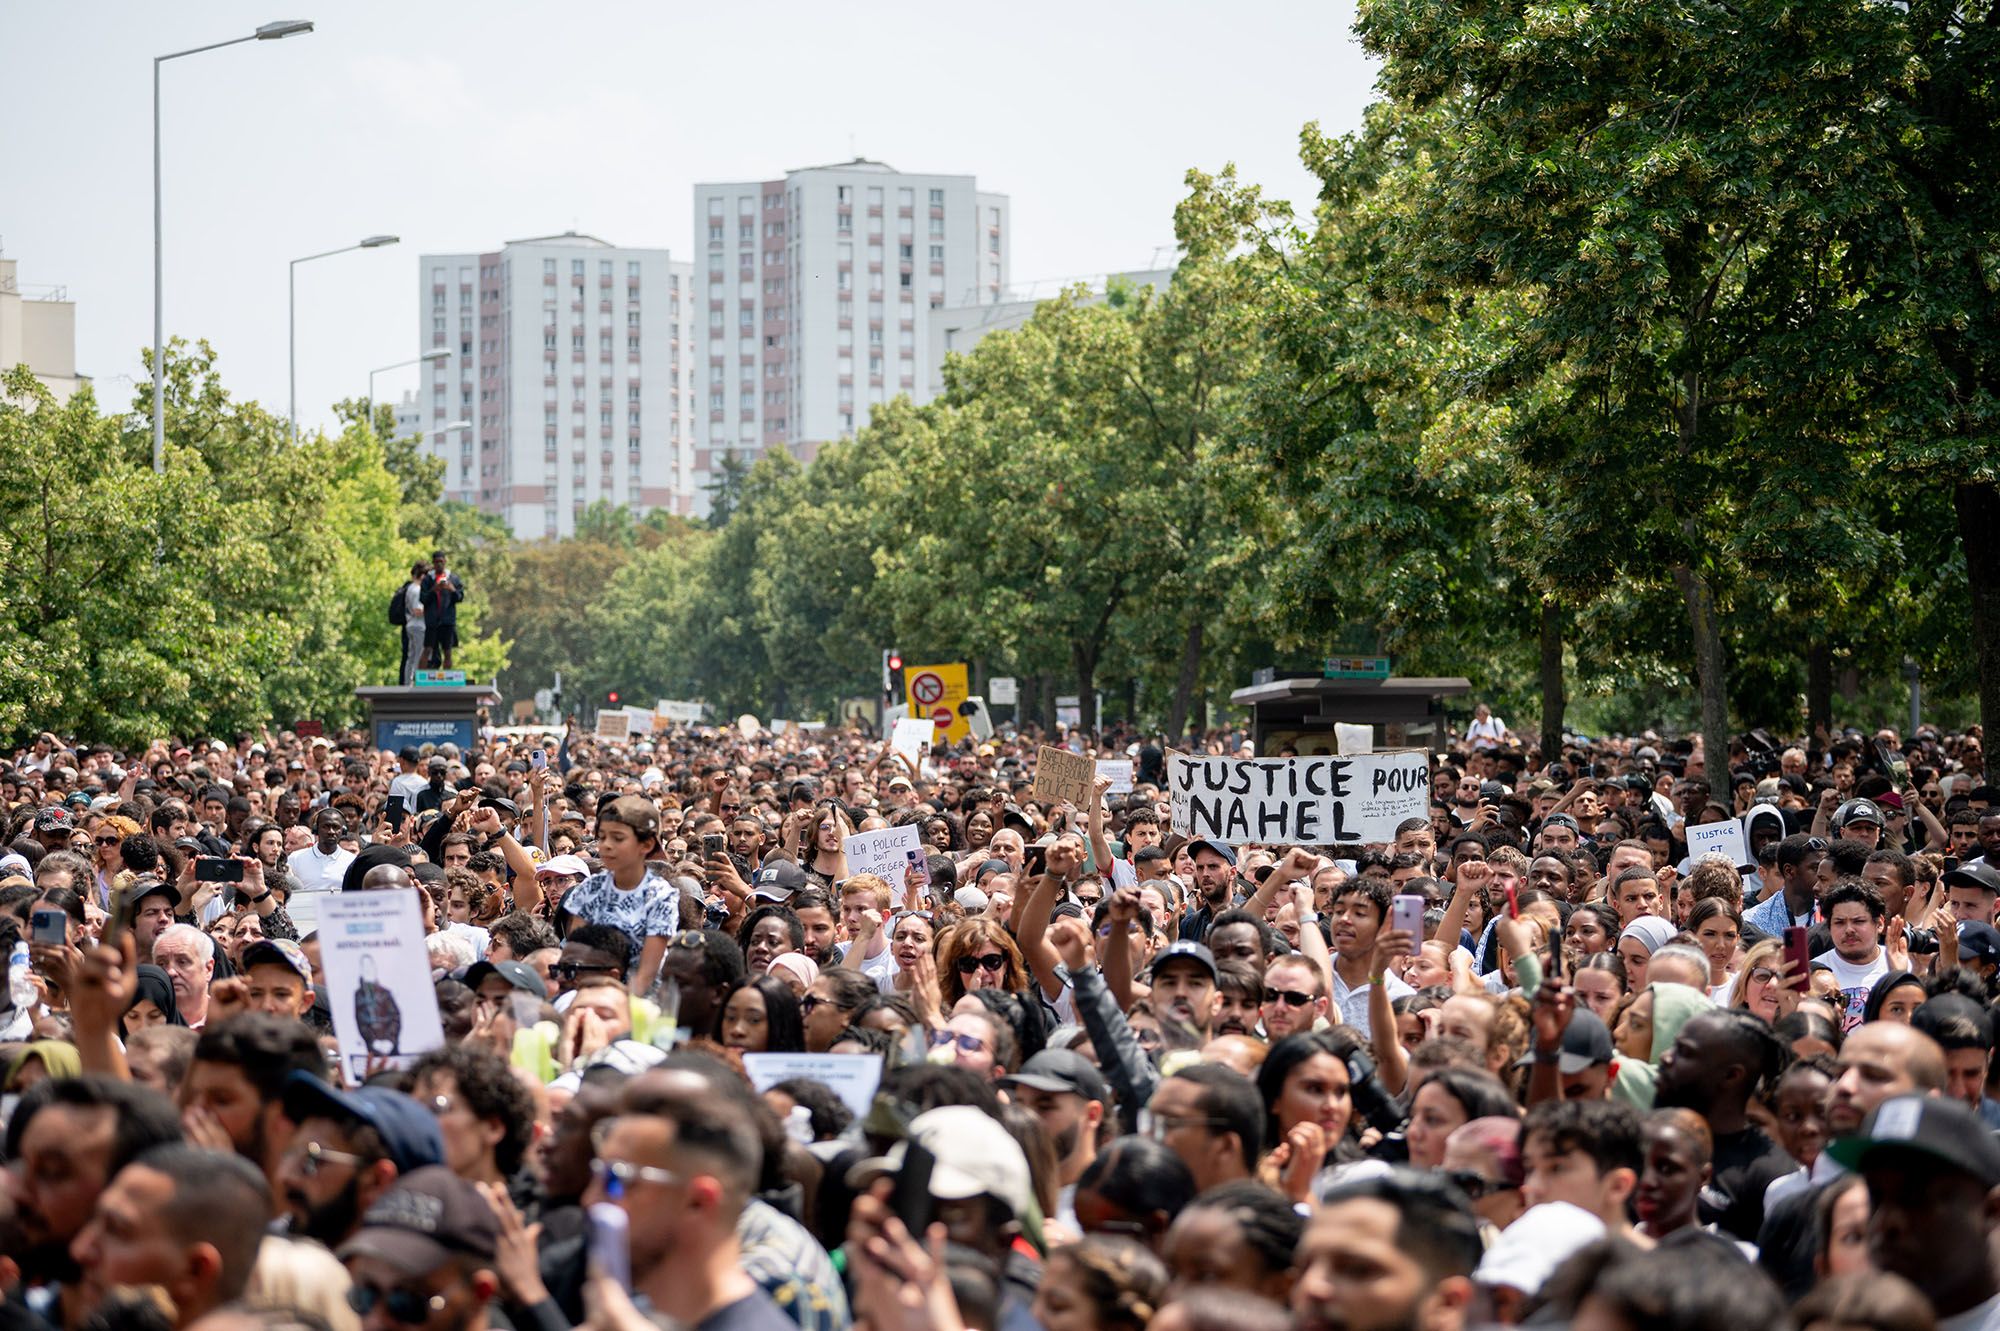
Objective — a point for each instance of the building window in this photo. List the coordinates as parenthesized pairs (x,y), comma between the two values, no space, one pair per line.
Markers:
(937,226)
(937,198)
(905,197)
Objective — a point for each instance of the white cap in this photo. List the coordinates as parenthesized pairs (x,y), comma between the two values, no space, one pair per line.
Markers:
(1541,1238)
(969,898)
(975,1156)
(565,865)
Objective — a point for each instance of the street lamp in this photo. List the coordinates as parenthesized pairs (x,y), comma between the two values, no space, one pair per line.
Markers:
(434,354)
(270,32)
(292,312)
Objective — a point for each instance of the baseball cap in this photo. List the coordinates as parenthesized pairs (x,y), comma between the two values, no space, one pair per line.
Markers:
(634,811)
(409,1132)
(777,880)
(1219,847)
(969,898)
(1979,941)
(1061,1071)
(902,781)
(52,818)
(152,887)
(519,974)
(567,865)
(278,952)
(1562,820)
(430,1216)
(1186,949)
(1541,1239)
(1947,1131)
(1977,874)
(1857,811)
(1585,1043)
(975,1157)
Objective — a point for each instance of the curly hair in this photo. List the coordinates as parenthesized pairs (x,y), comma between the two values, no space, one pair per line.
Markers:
(965,939)
(490,1090)
(1123,1280)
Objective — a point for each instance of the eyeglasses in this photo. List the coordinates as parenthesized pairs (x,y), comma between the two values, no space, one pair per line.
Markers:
(810,1004)
(1157,1126)
(312,1157)
(1763,974)
(1289,997)
(407,1306)
(569,970)
(617,1175)
(1475,1185)
(992,961)
(971,1044)
(108,840)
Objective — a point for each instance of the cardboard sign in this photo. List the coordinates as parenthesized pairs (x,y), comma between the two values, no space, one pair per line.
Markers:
(1120,772)
(1062,775)
(936,691)
(747,726)
(639,721)
(852,1077)
(378,979)
(894,853)
(680,713)
(1291,801)
(912,739)
(1724,838)
(614,725)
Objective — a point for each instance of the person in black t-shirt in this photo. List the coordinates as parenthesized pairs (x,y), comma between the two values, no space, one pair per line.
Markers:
(1715,1065)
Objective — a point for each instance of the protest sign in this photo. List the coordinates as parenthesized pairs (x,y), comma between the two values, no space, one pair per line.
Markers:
(852,1077)
(1724,838)
(1062,775)
(912,738)
(1314,801)
(936,691)
(613,724)
(894,853)
(1353,740)
(748,726)
(378,979)
(1003,691)
(640,721)
(1120,772)
(680,713)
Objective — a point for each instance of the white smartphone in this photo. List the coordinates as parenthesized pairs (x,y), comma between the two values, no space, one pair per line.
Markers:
(1406,912)
(538,759)
(610,1243)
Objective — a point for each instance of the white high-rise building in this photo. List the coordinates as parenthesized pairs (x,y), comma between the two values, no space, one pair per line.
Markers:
(409,416)
(38,330)
(819,290)
(571,360)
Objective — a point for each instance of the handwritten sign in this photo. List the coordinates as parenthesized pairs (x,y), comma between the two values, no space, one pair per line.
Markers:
(1062,775)
(613,725)
(912,738)
(378,979)
(1120,772)
(852,1077)
(1351,740)
(679,713)
(1724,838)
(1310,801)
(641,721)
(894,853)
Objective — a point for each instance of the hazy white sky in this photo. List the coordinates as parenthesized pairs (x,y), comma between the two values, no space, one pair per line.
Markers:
(458,126)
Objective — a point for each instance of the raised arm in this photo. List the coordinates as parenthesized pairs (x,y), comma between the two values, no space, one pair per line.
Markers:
(1032,917)
(1118,920)
(1472,875)
(1100,845)
(1391,1063)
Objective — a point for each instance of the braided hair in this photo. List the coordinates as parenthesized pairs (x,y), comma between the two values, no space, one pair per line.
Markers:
(1123,1280)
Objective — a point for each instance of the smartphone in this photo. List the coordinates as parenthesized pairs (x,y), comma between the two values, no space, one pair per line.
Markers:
(610,1243)
(910,1200)
(213,869)
(538,760)
(50,927)
(1406,913)
(1796,954)
(525,1008)
(714,845)
(118,919)
(1513,902)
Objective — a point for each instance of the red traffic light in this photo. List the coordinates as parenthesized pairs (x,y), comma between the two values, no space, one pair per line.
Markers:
(614,697)
(895,661)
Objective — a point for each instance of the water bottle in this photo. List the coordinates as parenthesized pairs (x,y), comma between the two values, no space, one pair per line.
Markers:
(18,989)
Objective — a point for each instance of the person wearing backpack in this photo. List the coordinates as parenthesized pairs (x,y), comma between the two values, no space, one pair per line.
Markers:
(406,608)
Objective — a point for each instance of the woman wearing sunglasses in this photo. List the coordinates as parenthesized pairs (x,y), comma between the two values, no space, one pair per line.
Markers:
(979,954)
(1759,988)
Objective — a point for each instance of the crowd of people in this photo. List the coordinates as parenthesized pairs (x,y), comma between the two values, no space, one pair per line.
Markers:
(1529,1062)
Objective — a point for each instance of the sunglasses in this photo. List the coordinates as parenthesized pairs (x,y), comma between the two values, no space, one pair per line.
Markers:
(569,970)
(617,1175)
(1474,1185)
(1289,997)
(971,1044)
(408,1306)
(811,1004)
(992,961)
(108,840)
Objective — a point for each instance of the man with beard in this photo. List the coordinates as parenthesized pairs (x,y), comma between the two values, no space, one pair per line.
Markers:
(1214,883)
(186,1220)
(1714,1067)
(424,1256)
(348,1150)
(1239,989)
(1386,1252)
(232,1097)
(68,1138)
(1063,1090)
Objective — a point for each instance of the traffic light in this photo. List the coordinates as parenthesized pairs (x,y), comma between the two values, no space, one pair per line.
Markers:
(613,696)
(895,659)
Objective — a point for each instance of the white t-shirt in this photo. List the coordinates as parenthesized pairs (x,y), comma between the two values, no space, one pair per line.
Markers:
(1486,734)
(1855,981)
(319,873)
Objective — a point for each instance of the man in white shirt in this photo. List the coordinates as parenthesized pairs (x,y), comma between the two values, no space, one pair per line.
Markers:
(1486,730)
(1855,916)
(864,917)
(1360,908)
(409,783)
(318,868)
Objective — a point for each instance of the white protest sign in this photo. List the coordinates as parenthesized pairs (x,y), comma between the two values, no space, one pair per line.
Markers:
(1723,838)
(912,738)
(1002,690)
(613,725)
(378,978)
(1062,775)
(680,713)
(852,1077)
(1120,772)
(1313,801)
(639,721)
(1353,740)
(894,853)
(747,726)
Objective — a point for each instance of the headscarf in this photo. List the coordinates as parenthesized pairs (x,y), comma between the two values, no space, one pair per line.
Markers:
(1674,1006)
(154,985)
(58,1056)
(1882,988)
(1650,930)
(798,963)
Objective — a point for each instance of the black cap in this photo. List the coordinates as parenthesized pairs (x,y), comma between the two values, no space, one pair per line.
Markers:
(516,973)
(1585,1044)
(777,880)
(1946,1130)
(1061,1071)
(1978,874)
(430,1216)
(1184,949)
